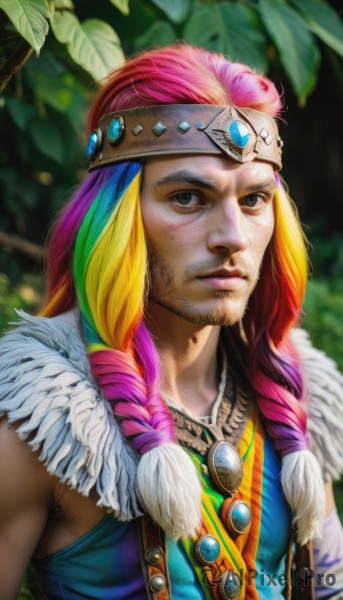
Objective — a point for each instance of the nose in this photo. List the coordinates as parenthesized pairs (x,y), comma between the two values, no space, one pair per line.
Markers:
(227,229)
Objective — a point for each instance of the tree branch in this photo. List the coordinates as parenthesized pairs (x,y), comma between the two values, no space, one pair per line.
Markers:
(14,63)
(23,245)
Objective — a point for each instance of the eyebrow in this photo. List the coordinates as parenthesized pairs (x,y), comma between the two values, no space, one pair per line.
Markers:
(184,176)
(269,183)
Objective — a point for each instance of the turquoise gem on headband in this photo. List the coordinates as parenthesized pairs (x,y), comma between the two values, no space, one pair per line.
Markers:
(239,133)
(115,129)
(92,144)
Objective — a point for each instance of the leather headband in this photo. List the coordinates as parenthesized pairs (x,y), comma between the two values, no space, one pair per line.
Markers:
(242,134)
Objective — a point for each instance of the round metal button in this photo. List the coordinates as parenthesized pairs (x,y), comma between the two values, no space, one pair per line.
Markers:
(225,466)
(157,584)
(153,555)
(229,585)
(238,517)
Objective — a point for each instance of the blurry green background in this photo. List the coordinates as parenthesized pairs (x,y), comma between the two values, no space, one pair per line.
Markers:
(52,54)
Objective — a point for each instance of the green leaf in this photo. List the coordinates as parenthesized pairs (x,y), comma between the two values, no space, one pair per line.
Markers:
(29,18)
(64,25)
(160,33)
(233,29)
(47,138)
(63,4)
(122,5)
(47,63)
(248,41)
(20,194)
(202,27)
(20,112)
(53,91)
(49,81)
(297,47)
(176,10)
(93,45)
(324,22)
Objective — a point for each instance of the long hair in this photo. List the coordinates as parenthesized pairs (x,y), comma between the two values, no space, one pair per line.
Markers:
(98,256)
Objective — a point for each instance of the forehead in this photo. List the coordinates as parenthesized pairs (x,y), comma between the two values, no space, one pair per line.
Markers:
(218,172)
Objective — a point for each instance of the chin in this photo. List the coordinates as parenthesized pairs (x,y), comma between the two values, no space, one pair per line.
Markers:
(226,314)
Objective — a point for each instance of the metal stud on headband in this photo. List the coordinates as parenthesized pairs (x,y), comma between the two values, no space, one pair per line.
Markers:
(242,134)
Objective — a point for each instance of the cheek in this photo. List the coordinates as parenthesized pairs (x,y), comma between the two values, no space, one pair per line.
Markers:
(165,238)
(261,237)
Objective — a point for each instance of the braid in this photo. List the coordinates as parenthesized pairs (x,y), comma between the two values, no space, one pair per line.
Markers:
(132,389)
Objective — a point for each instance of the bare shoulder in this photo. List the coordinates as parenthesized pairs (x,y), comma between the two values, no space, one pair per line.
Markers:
(19,462)
(25,492)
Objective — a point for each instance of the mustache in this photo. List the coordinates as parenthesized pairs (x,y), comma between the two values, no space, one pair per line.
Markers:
(213,264)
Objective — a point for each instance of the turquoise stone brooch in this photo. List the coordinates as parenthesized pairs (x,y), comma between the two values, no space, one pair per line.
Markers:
(207,549)
(238,517)
(229,585)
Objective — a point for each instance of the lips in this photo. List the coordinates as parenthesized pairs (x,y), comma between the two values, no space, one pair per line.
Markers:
(225,279)
(224,273)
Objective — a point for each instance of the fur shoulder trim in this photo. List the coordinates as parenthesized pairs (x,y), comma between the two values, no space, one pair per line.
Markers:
(45,384)
(325,410)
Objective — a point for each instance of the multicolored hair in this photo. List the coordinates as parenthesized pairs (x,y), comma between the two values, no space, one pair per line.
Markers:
(98,257)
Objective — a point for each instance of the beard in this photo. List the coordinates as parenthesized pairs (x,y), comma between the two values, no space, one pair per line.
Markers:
(224,308)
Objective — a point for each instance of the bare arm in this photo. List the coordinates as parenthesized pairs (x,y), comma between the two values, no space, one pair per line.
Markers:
(25,491)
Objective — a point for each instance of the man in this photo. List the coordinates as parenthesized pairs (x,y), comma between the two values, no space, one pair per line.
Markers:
(161,388)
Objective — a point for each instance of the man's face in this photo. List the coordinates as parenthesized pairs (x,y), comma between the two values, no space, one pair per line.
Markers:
(208,221)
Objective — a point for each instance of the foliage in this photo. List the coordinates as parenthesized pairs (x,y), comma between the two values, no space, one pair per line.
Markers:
(42,111)
(25,296)
(323,307)
(323,316)
(30,589)
(292,26)
(29,17)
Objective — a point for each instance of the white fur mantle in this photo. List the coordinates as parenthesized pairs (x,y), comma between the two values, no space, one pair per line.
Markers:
(45,384)
(325,405)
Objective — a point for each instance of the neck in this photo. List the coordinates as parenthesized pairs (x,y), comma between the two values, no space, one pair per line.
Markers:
(188,354)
